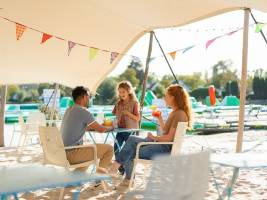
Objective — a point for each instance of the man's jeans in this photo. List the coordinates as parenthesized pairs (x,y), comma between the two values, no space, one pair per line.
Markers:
(127,153)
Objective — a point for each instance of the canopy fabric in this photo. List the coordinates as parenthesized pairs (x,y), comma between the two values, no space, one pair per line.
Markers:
(109,25)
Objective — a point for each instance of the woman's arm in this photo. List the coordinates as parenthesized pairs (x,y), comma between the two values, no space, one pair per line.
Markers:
(164,138)
(161,122)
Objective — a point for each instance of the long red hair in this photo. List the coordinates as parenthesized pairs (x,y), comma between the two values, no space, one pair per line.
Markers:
(182,100)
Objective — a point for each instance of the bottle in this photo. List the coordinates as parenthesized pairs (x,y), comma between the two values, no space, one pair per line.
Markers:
(115,123)
(100,118)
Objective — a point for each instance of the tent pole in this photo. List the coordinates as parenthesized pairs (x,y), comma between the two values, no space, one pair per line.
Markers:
(166,58)
(54,102)
(3,91)
(243,83)
(146,75)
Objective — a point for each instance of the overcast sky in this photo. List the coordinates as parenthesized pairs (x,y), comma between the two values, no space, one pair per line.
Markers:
(198,59)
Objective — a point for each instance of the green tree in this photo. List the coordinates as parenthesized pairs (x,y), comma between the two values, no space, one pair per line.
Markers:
(231,88)
(106,92)
(222,73)
(130,75)
(193,81)
(137,66)
(166,80)
(12,90)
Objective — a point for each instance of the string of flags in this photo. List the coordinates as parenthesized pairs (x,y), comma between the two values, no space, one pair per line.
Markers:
(93,51)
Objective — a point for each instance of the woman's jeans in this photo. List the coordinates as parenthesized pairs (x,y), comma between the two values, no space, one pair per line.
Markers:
(127,154)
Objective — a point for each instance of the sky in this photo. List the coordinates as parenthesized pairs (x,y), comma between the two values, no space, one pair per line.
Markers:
(200,59)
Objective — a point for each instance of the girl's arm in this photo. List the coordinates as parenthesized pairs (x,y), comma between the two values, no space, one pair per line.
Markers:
(132,116)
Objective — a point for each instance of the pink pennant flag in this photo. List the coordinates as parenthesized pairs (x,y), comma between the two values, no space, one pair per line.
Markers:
(211,41)
(173,54)
(71,45)
(45,37)
(19,30)
(232,32)
(113,56)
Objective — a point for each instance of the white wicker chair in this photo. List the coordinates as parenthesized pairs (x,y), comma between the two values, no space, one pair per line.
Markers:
(176,147)
(182,177)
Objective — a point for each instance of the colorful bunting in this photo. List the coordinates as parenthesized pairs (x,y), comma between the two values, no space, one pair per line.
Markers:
(92,53)
(259,27)
(151,59)
(19,30)
(45,37)
(173,54)
(113,56)
(188,48)
(71,45)
(232,32)
(211,41)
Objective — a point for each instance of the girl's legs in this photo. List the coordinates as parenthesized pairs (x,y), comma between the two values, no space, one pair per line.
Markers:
(121,138)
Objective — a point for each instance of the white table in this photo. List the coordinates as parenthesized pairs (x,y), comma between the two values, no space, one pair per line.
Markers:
(113,134)
(238,161)
(30,177)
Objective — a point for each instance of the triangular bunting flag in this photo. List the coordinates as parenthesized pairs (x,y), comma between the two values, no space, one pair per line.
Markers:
(232,32)
(92,53)
(188,48)
(259,27)
(71,45)
(151,59)
(173,54)
(45,37)
(19,30)
(113,56)
(211,41)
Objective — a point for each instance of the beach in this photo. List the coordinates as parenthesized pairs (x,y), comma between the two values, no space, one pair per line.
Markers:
(251,184)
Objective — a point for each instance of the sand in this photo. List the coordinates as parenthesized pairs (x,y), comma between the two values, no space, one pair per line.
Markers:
(250,185)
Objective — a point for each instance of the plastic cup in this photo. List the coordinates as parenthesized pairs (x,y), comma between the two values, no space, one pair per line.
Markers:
(108,122)
(156,113)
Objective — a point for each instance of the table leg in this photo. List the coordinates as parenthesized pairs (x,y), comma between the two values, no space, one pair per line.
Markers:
(106,138)
(90,135)
(229,188)
(116,141)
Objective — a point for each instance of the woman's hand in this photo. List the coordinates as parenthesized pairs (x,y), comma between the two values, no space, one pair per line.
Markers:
(150,136)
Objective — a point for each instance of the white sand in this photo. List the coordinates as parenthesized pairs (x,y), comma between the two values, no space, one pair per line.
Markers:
(251,183)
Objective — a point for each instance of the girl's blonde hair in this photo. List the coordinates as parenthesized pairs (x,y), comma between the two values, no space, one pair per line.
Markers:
(129,88)
(182,100)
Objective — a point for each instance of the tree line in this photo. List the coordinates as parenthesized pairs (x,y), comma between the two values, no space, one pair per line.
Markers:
(224,78)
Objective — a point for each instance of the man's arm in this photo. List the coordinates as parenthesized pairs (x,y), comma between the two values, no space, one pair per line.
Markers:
(95,126)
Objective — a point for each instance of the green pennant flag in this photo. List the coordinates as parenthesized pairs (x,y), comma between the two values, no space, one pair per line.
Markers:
(92,53)
(259,27)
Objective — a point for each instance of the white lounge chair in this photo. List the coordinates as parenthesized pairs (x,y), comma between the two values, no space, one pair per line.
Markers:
(176,147)
(183,177)
(29,129)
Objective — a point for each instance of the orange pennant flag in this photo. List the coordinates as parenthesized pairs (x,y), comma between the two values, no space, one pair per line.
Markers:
(19,30)
(173,54)
(45,37)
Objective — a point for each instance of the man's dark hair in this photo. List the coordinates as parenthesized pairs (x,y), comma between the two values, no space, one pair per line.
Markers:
(79,91)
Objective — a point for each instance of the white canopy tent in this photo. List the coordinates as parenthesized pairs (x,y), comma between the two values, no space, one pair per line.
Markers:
(106,25)
(110,26)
